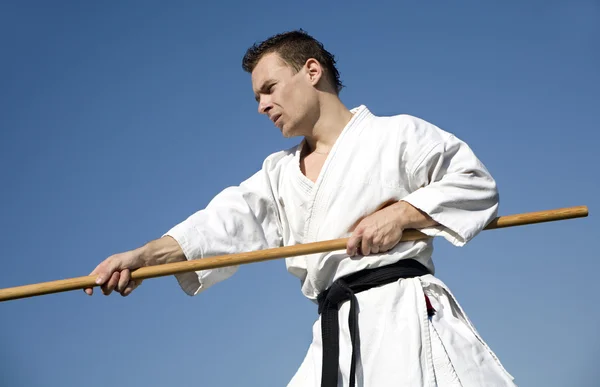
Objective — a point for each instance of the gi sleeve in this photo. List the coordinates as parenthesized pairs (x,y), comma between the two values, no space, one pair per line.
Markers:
(450,184)
(239,219)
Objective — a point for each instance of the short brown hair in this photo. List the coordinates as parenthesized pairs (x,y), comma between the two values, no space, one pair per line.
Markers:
(295,48)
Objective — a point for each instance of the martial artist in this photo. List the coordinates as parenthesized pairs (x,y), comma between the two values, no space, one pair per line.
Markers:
(384,318)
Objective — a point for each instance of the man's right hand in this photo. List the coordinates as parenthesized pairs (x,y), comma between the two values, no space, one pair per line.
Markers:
(114,273)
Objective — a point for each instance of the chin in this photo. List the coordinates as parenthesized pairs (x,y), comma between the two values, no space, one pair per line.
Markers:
(288,133)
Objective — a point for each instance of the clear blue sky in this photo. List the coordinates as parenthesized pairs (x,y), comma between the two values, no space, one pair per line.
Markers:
(119,119)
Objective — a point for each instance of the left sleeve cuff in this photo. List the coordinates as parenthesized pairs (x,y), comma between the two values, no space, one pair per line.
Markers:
(450,229)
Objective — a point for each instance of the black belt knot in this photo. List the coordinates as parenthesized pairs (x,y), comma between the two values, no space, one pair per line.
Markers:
(344,289)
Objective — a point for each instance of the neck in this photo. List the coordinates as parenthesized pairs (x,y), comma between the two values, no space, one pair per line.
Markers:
(333,117)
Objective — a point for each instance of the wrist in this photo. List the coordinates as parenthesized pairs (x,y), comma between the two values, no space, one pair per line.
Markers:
(402,215)
(411,217)
(161,251)
(145,255)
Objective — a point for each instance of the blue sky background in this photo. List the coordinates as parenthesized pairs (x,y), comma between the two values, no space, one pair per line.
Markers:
(119,119)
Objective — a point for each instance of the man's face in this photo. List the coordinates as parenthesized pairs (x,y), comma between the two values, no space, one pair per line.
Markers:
(287,97)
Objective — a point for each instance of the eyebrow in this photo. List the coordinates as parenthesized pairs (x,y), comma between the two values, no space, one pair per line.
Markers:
(265,85)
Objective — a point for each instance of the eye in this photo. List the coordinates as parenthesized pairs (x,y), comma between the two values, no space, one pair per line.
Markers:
(270,89)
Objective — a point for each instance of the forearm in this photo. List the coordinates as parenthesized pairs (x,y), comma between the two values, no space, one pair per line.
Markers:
(161,251)
(410,217)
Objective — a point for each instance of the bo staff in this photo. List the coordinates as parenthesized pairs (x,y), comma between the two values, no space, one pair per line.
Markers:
(269,254)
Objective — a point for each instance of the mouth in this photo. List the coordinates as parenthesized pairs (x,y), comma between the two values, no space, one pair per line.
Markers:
(276,118)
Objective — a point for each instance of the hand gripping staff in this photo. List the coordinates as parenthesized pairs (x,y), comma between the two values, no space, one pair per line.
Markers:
(269,254)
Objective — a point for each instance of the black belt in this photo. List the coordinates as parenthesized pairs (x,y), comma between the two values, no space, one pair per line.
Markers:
(342,290)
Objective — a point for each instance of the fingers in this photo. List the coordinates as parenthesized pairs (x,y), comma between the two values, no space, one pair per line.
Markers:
(367,240)
(354,242)
(90,291)
(124,279)
(110,277)
(111,284)
(127,285)
(131,286)
(366,244)
(375,247)
(385,247)
(361,241)
(371,243)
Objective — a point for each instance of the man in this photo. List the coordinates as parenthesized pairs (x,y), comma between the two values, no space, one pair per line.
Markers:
(384,319)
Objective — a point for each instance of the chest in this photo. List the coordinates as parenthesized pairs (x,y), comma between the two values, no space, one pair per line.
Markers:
(321,198)
(311,165)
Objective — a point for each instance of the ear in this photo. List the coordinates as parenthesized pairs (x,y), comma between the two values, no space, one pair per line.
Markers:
(314,71)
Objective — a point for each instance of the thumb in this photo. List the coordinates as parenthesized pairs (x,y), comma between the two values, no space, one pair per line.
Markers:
(102,272)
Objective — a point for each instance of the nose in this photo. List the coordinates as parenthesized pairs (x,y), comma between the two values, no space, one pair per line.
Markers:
(264,105)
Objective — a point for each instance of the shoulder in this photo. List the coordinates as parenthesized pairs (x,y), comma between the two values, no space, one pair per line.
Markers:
(277,160)
(267,177)
(274,165)
(409,131)
(413,137)
(412,128)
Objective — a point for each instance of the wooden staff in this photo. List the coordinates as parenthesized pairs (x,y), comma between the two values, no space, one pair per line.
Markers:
(269,254)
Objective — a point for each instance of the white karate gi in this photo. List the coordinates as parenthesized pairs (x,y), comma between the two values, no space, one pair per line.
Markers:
(375,159)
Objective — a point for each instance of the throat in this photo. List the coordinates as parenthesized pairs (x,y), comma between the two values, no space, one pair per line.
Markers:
(312,164)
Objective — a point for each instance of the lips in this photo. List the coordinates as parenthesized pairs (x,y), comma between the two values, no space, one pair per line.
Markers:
(275,118)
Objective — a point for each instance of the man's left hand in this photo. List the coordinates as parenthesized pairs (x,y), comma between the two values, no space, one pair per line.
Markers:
(377,233)
(382,230)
